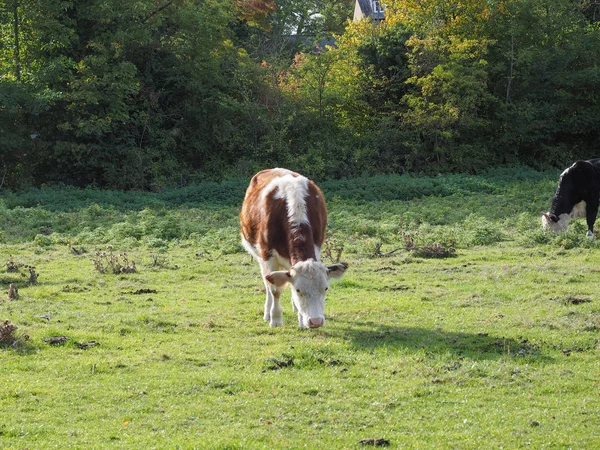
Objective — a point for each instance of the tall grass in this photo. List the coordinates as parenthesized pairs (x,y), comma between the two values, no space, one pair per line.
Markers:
(473,210)
(501,205)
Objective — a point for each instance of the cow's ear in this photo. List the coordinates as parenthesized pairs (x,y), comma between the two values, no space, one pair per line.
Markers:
(279,278)
(336,270)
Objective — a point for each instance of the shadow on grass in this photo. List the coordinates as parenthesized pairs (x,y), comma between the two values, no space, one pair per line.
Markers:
(21,282)
(369,335)
(22,349)
(7,278)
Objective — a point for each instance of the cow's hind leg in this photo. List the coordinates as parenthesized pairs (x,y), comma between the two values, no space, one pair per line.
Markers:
(590,215)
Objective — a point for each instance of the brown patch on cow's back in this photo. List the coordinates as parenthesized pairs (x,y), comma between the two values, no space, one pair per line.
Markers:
(278,228)
(316,210)
(251,208)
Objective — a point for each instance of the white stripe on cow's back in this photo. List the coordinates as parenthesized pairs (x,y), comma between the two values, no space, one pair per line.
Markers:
(295,190)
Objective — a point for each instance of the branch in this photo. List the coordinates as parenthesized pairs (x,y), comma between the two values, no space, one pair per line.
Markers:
(156,11)
(378,253)
(3,177)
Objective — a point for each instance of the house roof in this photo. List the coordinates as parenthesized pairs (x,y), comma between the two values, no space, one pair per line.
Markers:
(364,8)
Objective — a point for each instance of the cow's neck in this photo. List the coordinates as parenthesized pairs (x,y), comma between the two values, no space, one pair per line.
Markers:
(301,244)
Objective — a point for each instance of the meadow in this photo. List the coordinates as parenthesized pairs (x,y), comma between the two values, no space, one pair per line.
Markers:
(460,323)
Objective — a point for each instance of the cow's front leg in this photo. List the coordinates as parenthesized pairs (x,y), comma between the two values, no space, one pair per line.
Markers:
(276,308)
(268,305)
(590,216)
(269,300)
(273,308)
(300,319)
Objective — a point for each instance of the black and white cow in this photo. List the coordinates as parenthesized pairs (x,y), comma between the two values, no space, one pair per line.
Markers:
(577,195)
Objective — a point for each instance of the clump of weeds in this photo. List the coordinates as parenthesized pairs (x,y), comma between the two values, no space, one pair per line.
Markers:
(9,337)
(12,266)
(333,249)
(428,250)
(33,276)
(115,263)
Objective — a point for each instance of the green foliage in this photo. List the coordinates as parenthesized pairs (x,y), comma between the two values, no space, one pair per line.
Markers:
(453,211)
(449,103)
(480,231)
(541,64)
(150,96)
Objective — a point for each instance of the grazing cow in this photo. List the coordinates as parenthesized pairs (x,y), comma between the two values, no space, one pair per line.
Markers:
(577,195)
(283,222)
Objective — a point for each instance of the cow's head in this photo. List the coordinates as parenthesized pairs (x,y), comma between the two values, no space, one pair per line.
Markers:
(555,224)
(559,224)
(309,281)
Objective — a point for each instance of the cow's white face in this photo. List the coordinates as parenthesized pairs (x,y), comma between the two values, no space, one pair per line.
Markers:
(561,225)
(556,227)
(309,287)
(309,281)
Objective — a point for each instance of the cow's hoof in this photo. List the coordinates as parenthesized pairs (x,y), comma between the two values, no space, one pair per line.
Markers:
(267,317)
(590,234)
(276,323)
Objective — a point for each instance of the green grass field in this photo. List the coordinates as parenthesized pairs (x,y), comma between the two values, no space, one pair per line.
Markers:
(495,346)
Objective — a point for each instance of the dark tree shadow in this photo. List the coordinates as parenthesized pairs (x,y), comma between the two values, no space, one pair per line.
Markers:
(370,335)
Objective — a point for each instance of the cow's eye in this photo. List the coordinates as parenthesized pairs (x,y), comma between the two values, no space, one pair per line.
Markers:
(298,291)
(326,288)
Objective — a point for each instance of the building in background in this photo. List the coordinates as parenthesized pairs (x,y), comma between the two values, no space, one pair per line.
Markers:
(368,9)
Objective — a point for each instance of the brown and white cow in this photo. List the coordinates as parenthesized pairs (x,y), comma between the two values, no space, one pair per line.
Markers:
(283,222)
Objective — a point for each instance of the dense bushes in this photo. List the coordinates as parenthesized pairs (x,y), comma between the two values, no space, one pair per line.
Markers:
(135,96)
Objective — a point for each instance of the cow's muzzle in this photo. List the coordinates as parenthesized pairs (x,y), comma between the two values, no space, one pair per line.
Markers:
(315,322)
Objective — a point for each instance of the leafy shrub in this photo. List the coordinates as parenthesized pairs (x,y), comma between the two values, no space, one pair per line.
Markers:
(42,241)
(225,240)
(467,210)
(480,231)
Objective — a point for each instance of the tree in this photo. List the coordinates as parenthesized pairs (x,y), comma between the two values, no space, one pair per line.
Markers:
(449,108)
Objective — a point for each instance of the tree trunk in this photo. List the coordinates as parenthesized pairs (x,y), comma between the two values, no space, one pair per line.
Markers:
(17,55)
(300,27)
(512,62)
